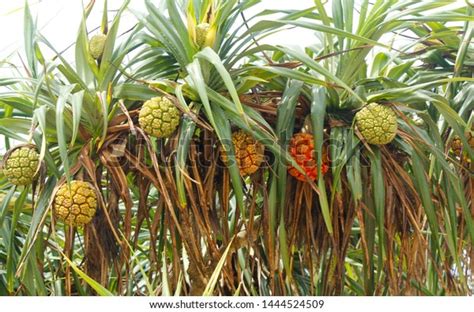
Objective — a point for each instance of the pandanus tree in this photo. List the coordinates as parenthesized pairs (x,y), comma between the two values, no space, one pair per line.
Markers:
(190,155)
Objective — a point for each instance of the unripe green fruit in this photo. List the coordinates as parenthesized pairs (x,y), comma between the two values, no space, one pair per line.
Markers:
(377,123)
(159,117)
(21,166)
(97,45)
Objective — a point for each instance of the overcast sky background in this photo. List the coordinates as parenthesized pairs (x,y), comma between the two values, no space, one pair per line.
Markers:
(58,20)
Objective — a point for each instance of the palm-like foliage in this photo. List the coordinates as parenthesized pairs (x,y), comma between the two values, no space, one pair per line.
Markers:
(173,219)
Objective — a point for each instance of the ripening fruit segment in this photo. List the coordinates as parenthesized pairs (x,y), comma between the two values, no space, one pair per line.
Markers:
(75,203)
(249,152)
(301,148)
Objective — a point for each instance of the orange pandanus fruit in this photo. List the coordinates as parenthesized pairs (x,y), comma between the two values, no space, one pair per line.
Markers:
(302,150)
(248,152)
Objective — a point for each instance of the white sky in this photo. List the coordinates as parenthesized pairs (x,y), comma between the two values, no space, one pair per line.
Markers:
(59,20)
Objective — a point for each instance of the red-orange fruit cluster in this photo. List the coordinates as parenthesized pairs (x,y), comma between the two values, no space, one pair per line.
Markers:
(302,150)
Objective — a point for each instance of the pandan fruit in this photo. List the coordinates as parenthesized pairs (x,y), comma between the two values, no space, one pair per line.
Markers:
(202,32)
(301,148)
(159,117)
(248,152)
(97,45)
(377,123)
(457,146)
(20,165)
(75,203)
